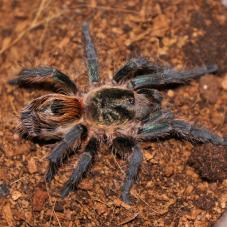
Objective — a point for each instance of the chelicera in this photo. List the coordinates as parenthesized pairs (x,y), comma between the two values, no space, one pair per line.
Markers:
(121,113)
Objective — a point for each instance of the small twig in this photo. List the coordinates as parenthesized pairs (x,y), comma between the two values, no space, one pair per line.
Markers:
(59,223)
(142,35)
(52,212)
(39,11)
(13,106)
(47,20)
(107,8)
(13,42)
(45,27)
(23,33)
(129,219)
(145,202)
(36,24)
(100,201)
(118,164)
(27,30)
(17,180)
(49,197)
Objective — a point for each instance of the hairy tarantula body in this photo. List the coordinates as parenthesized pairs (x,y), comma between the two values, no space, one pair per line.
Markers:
(122,113)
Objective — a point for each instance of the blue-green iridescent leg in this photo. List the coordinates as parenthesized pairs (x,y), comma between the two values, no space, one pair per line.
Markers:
(132,172)
(134,67)
(159,116)
(145,74)
(162,125)
(92,61)
(82,166)
(168,76)
(70,143)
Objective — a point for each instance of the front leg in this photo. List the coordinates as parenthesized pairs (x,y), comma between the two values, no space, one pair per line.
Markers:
(45,78)
(168,76)
(92,60)
(142,73)
(134,67)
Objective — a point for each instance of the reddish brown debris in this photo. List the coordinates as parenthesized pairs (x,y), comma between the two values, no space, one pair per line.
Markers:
(39,198)
(210,162)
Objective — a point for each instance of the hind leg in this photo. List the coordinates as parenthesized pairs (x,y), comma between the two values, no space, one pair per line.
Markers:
(163,124)
(132,172)
(82,166)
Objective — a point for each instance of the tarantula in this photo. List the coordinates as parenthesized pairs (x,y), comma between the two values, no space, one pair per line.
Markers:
(120,113)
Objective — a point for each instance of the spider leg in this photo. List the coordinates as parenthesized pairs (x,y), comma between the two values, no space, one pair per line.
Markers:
(121,146)
(133,67)
(159,116)
(131,174)
(92,61)
(163,124)
(145,74)
(152,94)
(45,78)
(82,166)
(70,143)
(168,76)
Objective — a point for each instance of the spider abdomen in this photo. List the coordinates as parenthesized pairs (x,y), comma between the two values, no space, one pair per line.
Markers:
(111,106)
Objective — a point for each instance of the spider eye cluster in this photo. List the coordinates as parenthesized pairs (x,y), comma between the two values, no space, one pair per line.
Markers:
(132,101)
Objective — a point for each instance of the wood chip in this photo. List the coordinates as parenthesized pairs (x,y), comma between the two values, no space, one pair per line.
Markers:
(7,214)
(119,203)
(224,83)
(16,195)
(32,167)
(129,219)
(148,155)
(39,199)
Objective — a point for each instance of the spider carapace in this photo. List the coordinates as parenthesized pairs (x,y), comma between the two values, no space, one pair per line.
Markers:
(120,113)
(115,106)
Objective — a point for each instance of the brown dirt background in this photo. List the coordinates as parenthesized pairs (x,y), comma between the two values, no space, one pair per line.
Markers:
(175,187)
